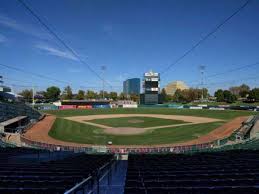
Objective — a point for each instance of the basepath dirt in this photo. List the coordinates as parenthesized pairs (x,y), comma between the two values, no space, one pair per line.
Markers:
(39,133)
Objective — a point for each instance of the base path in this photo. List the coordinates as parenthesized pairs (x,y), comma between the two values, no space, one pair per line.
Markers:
(39,133)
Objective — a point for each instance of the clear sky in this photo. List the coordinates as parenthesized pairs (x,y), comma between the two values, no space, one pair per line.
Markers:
(129,37)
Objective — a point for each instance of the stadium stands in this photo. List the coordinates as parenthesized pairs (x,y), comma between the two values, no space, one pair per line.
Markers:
(11,110)
(244,131)
(55,176)
(233,171)
(15,117)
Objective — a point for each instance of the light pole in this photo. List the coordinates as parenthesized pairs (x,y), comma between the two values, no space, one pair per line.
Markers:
(103,68)
(202,69)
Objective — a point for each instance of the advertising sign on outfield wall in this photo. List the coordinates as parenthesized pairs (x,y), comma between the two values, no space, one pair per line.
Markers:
(195,107)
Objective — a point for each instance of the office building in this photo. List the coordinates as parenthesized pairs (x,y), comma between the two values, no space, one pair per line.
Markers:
(131,86)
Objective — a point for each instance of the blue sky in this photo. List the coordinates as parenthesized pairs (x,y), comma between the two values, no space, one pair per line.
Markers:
(129,37)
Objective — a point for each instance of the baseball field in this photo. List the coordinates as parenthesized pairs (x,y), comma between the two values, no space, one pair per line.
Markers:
(141,126)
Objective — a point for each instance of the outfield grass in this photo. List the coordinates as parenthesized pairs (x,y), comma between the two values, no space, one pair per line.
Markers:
(129,122)
(218,114)
(71,131)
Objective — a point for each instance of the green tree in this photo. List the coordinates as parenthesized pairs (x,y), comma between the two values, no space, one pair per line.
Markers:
(219,95)
(244,90)
(122,96)
(164,96)
(67,93)
(80,95)
(113,95)
(27,95)
(177,95)
(254,94)
(52,93)
(229,97)
(103,94)
(91,94)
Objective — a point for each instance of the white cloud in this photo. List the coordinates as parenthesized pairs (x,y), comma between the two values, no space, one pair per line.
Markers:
(24,28)
(2,38)
(55,52)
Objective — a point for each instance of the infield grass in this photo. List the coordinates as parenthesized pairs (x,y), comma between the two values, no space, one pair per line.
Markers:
(138,122)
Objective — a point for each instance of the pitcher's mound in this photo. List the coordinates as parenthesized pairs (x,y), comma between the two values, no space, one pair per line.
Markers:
(135,121)
(125,130)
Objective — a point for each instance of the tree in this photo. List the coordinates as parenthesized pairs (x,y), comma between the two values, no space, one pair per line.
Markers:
(134,97)
(235,90)
(90,94)
(164,96)
(27,95)
(244,90)
(254,94)
(219,95)
(177,95)
(240,91)
(67,93)
(103,94)
(122,96)
(52,93)
(229,97)
(80,95)
(113,95)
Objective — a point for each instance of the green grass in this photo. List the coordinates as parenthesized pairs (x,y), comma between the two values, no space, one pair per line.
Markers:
(238,103)
(226,114)
(127,122)
(82,133)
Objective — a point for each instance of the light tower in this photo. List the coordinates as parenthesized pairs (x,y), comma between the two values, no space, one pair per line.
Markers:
(103,68)
(202,70)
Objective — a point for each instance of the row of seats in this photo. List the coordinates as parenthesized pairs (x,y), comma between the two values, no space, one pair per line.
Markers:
(233,171)
(54,176)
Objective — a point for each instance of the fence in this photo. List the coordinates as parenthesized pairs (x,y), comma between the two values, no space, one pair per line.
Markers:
(116,150)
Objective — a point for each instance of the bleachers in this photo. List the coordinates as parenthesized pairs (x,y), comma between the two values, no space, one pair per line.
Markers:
(235,171)
(11,110)
(56,176)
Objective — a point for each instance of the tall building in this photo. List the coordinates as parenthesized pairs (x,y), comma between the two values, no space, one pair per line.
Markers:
(151,88)
(131,86)
(173,86)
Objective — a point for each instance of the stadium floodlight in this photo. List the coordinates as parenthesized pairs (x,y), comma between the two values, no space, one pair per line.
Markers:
(202,70)
(103,68)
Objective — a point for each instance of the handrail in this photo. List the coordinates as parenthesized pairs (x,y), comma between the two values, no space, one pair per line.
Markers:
(78,185)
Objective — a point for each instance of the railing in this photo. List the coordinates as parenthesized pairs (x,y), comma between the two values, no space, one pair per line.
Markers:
(107,149)
(93,180)
(82,186)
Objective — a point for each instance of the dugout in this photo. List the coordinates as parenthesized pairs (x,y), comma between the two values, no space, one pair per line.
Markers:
(13,125)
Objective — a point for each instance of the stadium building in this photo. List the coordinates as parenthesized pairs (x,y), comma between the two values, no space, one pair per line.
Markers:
(5,91)
(151,88)
(173,86)
(131,86)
